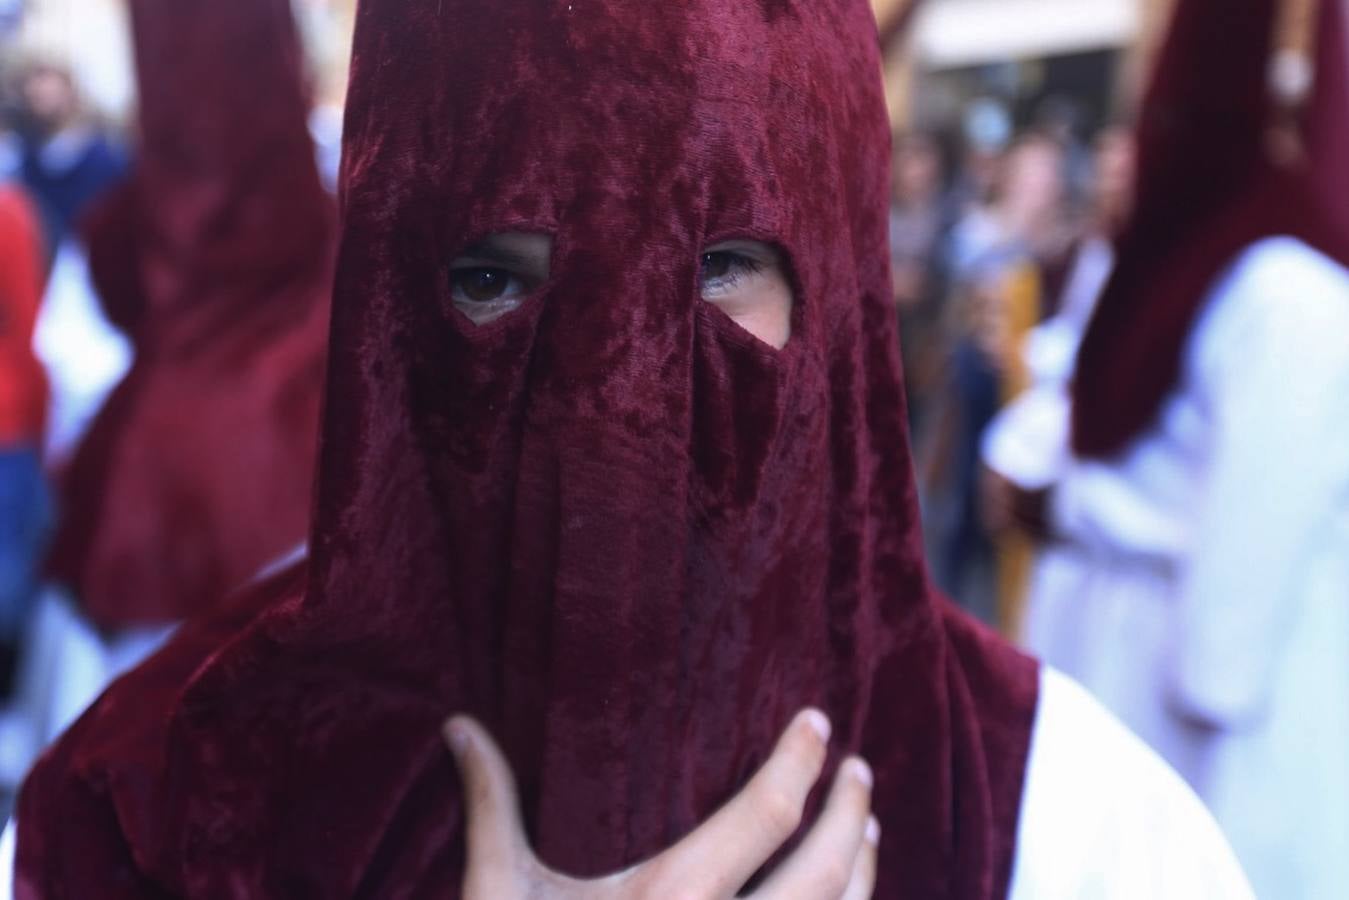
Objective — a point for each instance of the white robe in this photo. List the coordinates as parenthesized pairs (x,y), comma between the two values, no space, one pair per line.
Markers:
(1206,571)
(85,356)
(1102,817)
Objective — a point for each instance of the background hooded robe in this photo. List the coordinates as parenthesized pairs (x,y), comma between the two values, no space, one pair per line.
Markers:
(215,258)
(1200,572)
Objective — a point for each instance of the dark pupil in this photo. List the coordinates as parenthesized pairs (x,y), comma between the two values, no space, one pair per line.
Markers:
(717,265)
(482,285)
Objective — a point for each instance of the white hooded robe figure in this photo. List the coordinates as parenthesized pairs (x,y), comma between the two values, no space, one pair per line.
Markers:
(1197,581)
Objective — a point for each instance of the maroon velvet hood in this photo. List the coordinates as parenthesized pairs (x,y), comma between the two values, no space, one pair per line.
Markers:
(613,525)
(216,258)
(1207,190)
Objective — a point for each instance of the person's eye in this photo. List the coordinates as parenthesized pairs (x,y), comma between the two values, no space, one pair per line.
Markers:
(484,285)
(495,276)
(747,280)
(723,271)
(484,293)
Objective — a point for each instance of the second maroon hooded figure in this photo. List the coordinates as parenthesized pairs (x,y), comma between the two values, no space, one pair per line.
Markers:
(216,258)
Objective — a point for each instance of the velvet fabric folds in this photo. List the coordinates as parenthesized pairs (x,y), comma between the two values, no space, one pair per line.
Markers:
(216,258)
(623,532)
(1208,188)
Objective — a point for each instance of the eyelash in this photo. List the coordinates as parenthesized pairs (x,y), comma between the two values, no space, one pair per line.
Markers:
(741,266)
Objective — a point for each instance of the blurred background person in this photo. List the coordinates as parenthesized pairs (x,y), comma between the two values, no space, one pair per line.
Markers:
(1196,577)
(67,158)
(1059,117)
(921,216)
(215,259)
(25,506)
(1006,260)
(986,131)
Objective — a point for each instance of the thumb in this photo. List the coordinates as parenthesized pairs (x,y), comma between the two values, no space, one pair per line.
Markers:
(499,859)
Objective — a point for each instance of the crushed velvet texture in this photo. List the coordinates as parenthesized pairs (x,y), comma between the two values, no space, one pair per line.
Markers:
(216,258)
(1208,188)
(614,526)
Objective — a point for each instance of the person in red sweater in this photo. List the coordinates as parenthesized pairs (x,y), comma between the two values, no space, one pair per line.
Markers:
(25,509)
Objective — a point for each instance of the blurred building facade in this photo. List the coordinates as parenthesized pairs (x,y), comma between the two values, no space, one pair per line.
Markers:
(1018,53)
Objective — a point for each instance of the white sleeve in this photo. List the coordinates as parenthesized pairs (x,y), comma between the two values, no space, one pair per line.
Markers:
(7,845)
(1027,442)
(1277,383)
(1103,818)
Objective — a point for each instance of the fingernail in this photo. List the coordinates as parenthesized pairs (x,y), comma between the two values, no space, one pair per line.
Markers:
(873,832)
(858,769)
(819,723)
(457,736)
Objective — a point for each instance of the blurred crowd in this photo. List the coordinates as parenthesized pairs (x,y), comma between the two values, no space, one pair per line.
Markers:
(996,236)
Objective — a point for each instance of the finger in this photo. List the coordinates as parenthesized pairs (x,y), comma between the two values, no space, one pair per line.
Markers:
(823,865)
(720,856)
(498,853)
(863,883)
